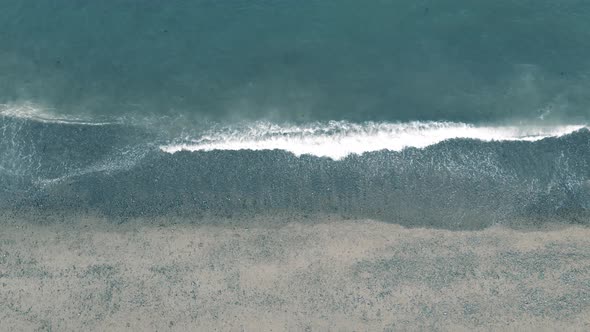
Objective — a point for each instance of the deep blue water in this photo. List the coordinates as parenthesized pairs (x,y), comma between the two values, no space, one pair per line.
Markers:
(300,60)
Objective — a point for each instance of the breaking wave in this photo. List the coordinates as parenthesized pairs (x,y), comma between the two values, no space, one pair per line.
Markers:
(338,139)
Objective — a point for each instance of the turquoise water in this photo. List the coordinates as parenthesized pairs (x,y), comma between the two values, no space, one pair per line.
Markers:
(449,114)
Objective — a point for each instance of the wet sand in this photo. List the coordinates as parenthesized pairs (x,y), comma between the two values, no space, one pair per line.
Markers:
(88,273)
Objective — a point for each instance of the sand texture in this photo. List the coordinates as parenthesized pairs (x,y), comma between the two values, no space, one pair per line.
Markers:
(88,274)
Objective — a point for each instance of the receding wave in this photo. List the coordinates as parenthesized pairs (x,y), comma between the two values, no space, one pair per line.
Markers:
(38,147)
(338,139)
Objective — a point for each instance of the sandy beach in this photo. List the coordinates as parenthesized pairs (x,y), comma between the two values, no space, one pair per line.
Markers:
(88,273)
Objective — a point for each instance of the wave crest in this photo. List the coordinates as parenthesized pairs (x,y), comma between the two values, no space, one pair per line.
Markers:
(338,139)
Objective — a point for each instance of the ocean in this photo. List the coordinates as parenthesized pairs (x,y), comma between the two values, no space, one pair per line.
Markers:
(256,130)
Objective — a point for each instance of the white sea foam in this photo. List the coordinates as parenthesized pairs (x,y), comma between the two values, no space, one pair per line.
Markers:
(338,139)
